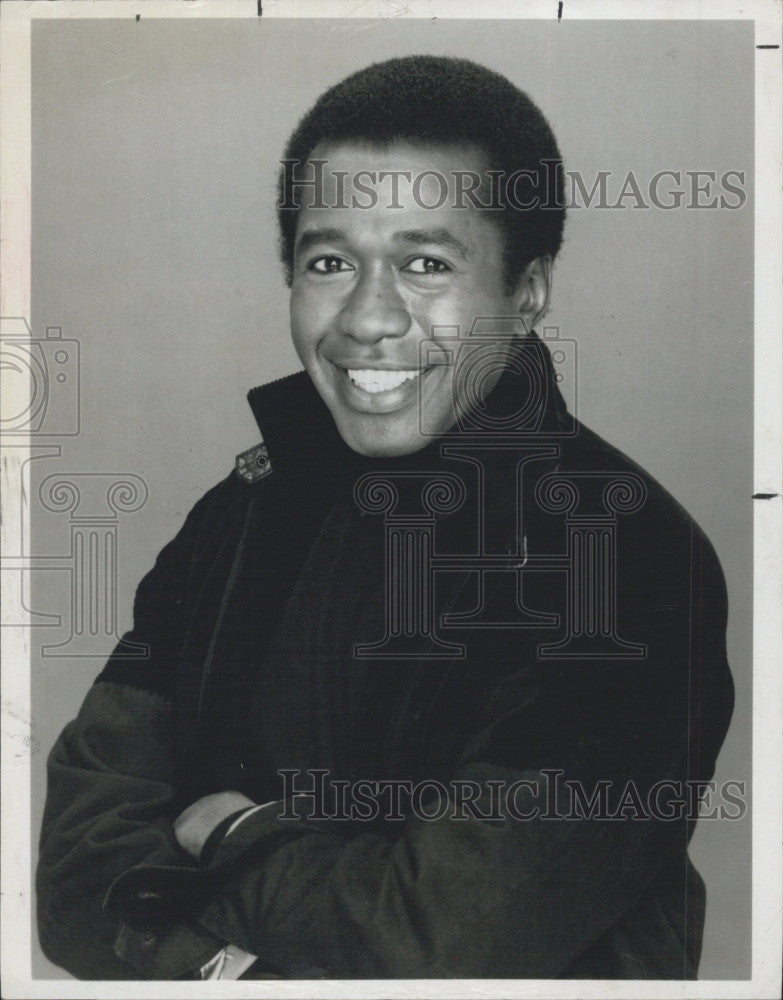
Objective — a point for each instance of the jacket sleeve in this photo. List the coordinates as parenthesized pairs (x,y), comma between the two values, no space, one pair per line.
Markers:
(468,894)
(111,796)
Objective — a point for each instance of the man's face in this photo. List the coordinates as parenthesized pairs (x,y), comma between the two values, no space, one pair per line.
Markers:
(371,285)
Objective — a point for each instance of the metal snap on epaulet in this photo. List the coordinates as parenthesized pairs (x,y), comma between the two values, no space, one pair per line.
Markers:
(253,464)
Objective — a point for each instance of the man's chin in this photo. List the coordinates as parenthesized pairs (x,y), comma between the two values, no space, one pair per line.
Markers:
(387,449)
(383,440)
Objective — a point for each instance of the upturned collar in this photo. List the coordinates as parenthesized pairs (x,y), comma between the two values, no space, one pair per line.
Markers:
(300,434)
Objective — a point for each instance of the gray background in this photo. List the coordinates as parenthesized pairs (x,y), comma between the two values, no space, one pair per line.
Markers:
(154,158)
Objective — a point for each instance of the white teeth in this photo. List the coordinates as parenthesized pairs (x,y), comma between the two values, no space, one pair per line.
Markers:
(375,380)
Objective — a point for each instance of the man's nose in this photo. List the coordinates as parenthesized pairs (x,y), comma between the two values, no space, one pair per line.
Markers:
(374,309)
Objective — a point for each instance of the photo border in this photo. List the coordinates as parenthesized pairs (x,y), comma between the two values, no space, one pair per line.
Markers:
(18,730)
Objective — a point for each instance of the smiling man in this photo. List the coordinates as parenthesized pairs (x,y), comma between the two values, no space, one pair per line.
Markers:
(371,283)
(422,697)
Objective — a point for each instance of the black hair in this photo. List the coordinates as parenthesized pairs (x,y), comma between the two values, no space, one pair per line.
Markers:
(442,100)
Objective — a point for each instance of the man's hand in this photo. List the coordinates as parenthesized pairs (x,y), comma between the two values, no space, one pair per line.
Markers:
(194,825)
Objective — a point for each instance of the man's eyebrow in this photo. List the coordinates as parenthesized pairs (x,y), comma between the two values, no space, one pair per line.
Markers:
(436,237)
(314,237)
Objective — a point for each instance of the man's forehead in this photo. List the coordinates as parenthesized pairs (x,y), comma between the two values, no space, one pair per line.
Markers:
(400,154)
(413,191)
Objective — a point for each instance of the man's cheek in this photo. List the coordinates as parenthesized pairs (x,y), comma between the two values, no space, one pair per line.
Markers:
(300,333)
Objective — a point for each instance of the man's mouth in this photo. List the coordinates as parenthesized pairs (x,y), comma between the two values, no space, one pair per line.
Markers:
(376,380)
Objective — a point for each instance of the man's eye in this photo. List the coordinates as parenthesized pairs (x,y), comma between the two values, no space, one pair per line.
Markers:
(329,265)
(427,265)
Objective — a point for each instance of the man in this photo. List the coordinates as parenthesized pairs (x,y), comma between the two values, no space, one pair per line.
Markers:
(435,674)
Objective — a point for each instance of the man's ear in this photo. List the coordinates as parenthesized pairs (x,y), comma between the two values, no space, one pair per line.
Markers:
(532,291)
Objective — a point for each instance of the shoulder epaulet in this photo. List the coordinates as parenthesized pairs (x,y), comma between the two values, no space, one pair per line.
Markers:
(253,464)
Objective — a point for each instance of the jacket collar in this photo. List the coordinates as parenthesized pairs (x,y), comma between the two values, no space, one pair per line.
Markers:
(300,434)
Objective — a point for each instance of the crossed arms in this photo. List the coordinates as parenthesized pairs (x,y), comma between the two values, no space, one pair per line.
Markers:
(123,895)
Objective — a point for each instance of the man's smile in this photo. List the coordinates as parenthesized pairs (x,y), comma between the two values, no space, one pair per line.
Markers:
(380,379)
(378,390)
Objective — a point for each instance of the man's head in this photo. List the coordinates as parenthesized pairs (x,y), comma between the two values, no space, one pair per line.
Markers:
(438,201)
(440,101)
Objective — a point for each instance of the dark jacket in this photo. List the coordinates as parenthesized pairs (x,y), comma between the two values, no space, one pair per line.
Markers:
(252,616)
